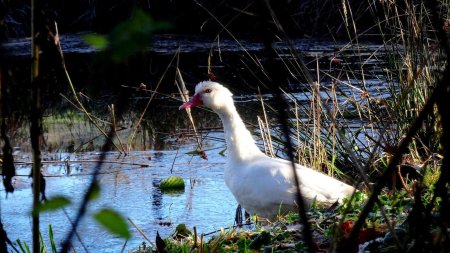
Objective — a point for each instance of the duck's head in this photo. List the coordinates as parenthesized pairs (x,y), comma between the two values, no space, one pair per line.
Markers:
(210,94)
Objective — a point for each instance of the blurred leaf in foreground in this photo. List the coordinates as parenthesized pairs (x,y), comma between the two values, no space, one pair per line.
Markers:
(128,37)
(99,42)
(113,222)
(52,204)
(95,193)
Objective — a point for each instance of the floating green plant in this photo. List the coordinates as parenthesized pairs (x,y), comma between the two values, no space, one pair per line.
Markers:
(172,183)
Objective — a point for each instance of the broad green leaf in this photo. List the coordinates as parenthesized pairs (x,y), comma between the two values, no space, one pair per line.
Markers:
(113,222)
(52,204)
(99,42)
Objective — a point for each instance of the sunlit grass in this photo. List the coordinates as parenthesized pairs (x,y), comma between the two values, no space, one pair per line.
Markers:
(284,233)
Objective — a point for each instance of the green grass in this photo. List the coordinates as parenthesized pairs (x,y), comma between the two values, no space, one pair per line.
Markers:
(328,227)
(24,248)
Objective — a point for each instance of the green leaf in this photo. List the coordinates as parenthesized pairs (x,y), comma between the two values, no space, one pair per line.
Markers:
(113,222)
(52,204)
(99,42)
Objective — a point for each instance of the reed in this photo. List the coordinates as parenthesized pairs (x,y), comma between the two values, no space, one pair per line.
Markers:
(24,248)
(346,110)
(416,72)
(348,128)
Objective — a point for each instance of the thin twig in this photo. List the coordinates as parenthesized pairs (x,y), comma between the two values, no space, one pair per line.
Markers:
(76,232)
(115,131)
(124,245)
(74,93)
(81,110)
(173,162)
(266,128)
(185,97)
(282,117)
(93,183)
(142,233)
(138,123)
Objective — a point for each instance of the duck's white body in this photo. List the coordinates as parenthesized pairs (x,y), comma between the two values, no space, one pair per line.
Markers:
(262,185)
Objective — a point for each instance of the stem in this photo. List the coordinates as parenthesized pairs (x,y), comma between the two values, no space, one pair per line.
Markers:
(93,184)
(72,88)
(138,123)
(35,126)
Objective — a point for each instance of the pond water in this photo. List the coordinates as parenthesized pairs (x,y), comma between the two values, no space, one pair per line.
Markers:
(129,189)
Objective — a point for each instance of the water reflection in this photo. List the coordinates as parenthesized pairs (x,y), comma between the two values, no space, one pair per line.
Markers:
(157,200)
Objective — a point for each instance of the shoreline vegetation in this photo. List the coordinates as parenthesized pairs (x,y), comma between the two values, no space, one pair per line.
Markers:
(398,155)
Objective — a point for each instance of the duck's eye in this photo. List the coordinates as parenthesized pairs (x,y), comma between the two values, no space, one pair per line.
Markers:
(207,91)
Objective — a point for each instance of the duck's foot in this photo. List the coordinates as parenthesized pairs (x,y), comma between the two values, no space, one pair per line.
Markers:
(238,220)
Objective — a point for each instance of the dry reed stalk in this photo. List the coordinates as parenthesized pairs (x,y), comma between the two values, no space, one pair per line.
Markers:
(315,116)
(124,245)
(332,128)
(263,136)
(184,92)
(250,56)
(201,250)
(81,110)
(114,126)
(138,123)
(301,146)
(72,88)
(265,129)
(142,233)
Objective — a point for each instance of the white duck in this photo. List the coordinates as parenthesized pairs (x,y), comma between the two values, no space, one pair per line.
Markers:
(262,185)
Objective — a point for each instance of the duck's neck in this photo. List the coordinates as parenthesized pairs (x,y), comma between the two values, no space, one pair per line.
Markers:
(240,143)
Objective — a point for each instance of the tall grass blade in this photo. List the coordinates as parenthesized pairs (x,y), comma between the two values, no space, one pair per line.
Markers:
(52,239)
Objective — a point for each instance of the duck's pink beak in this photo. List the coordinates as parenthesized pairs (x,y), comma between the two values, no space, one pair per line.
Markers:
(195,101)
